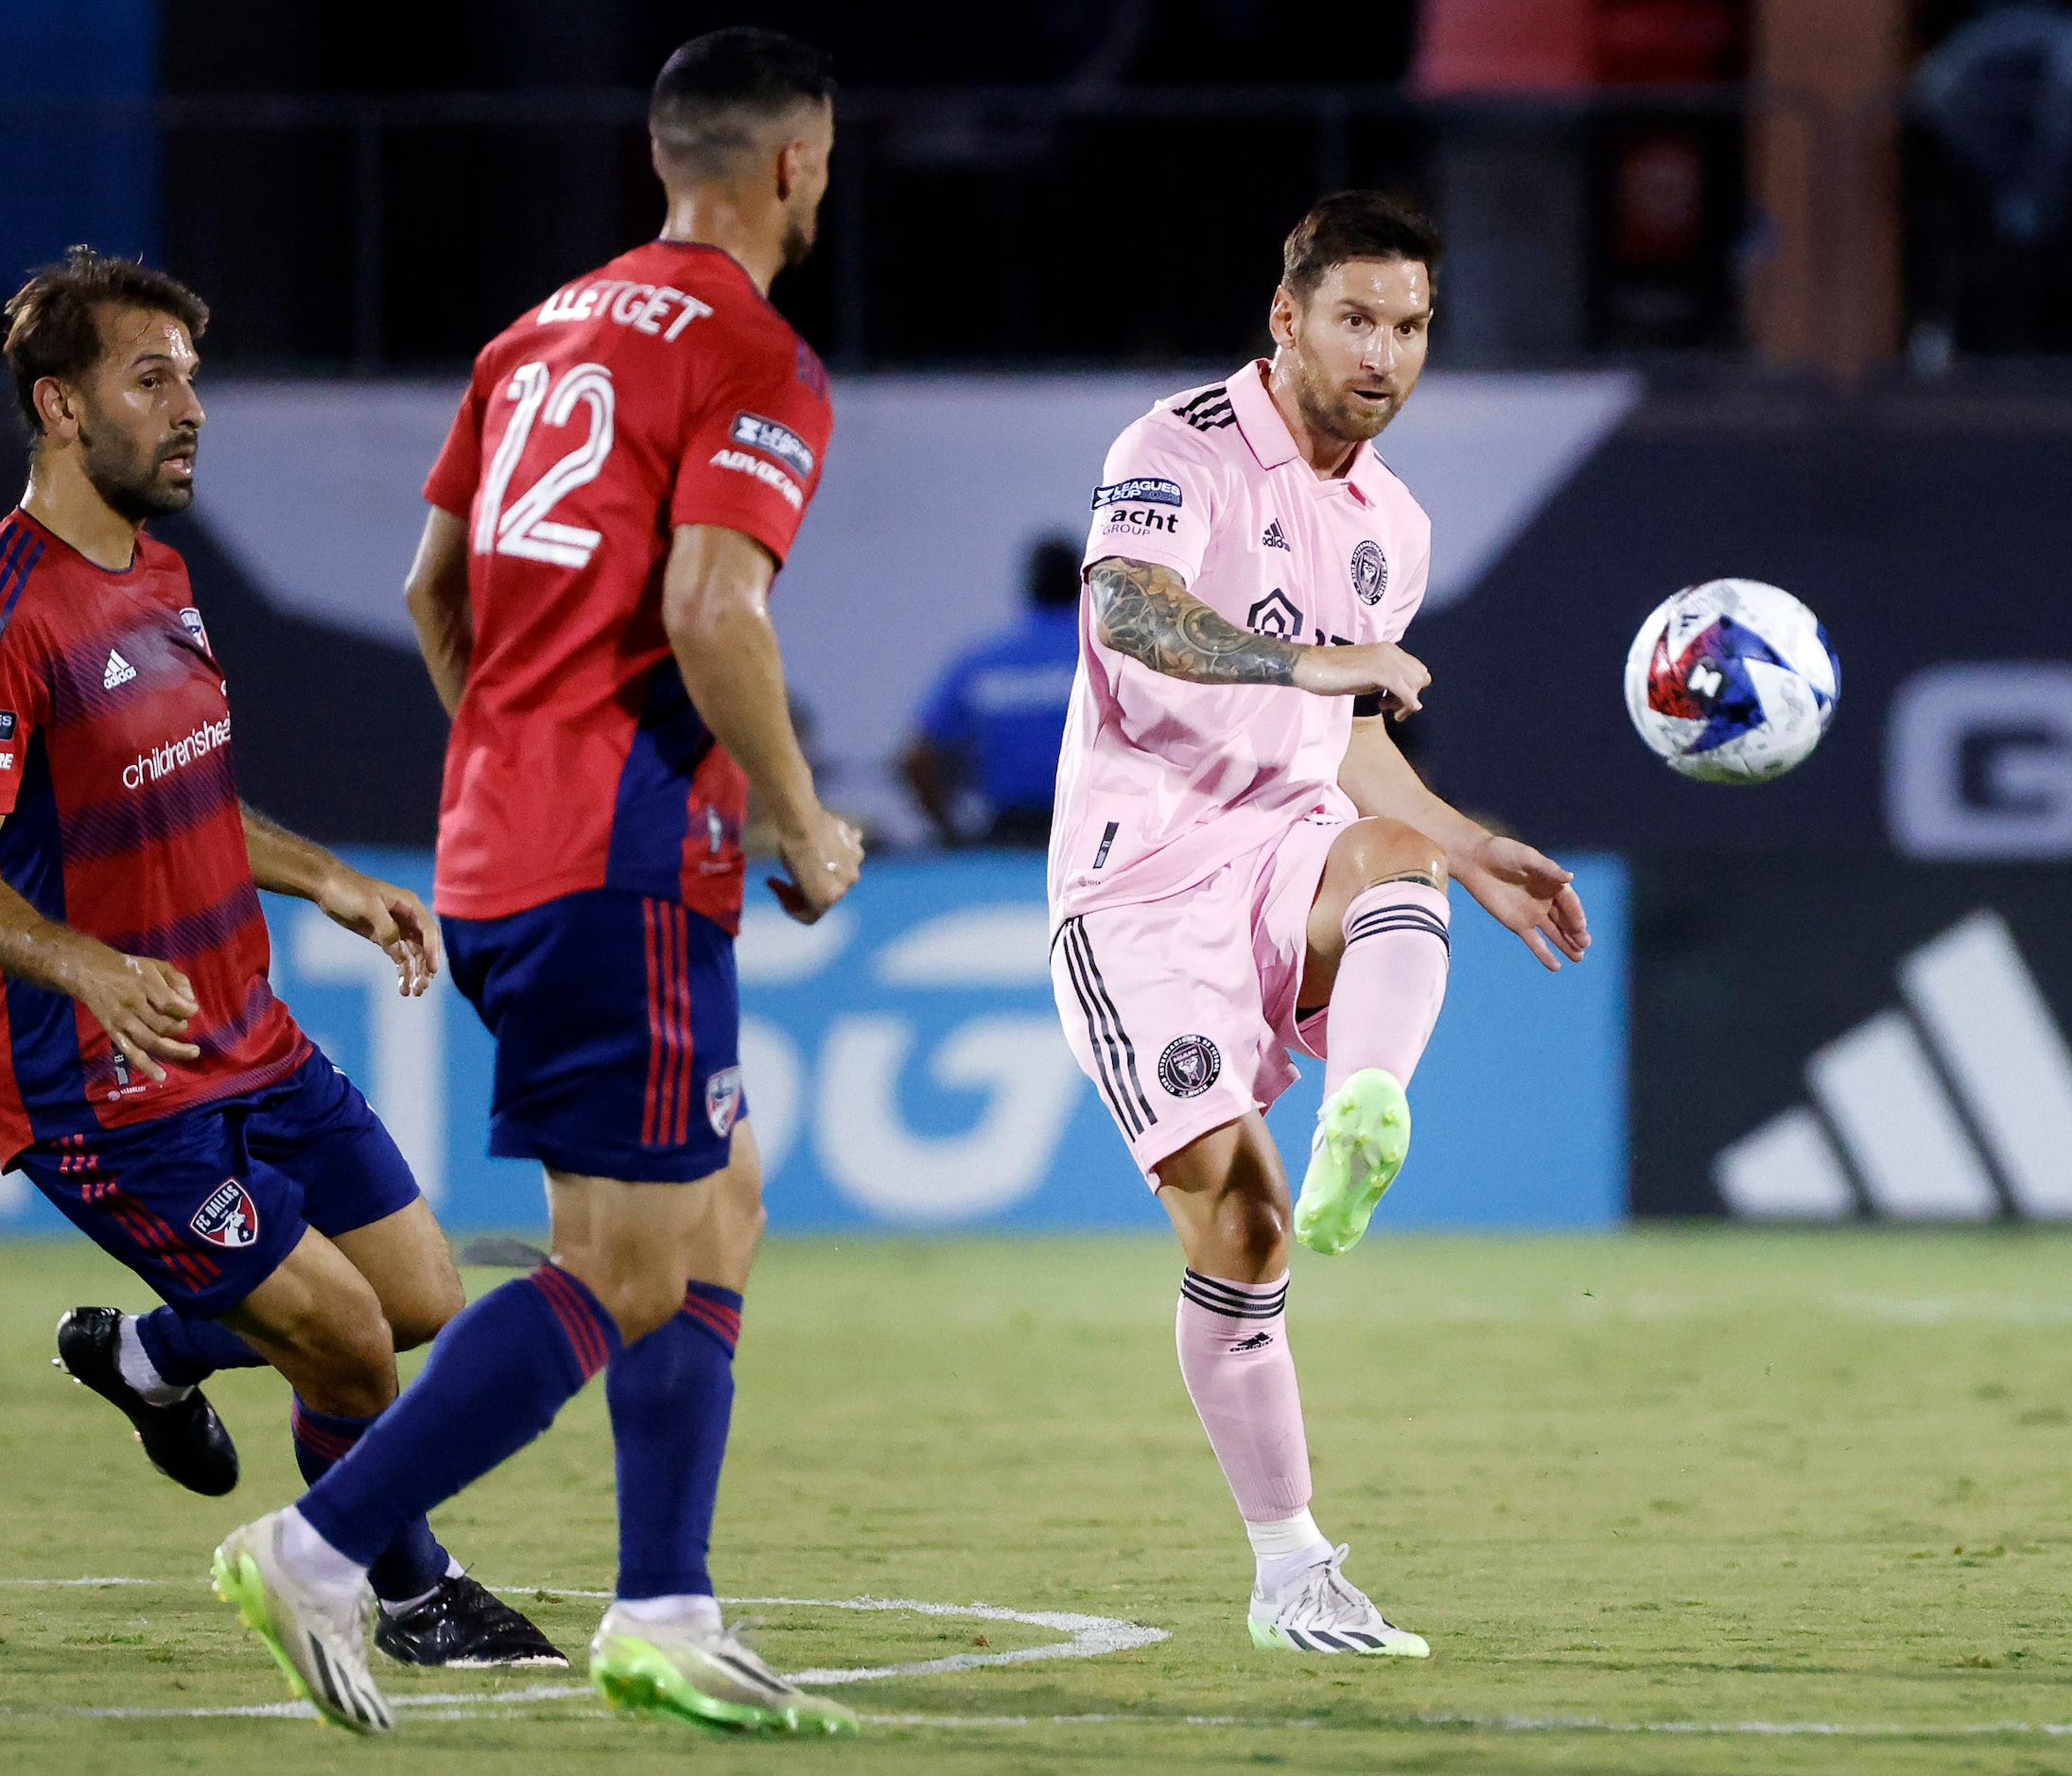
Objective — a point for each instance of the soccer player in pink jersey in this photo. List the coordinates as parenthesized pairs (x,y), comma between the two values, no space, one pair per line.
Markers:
(1242,860)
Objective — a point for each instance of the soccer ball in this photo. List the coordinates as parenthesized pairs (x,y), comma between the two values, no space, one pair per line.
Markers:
(1731,682)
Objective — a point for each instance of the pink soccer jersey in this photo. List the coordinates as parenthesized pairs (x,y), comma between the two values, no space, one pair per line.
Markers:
(1161,782)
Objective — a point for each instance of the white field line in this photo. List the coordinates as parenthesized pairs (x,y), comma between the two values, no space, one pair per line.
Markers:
(1089,1636)
(463,1706)
(1086,1637)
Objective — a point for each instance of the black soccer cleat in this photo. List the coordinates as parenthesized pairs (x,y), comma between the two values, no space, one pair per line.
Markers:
(463,1623)
(186,1441)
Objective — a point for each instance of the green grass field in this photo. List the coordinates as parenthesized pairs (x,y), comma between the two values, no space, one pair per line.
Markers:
(1698,1482)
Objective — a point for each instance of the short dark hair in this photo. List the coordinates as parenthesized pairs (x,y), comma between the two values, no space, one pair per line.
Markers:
(1049,580)
(1356,225)
(53,321)
(715,88)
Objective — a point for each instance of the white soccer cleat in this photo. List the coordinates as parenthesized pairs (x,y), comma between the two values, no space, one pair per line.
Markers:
(705,1675)
(1319,1611)
(317,1635)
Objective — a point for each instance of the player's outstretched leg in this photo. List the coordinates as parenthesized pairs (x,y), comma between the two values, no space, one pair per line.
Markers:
(99,1348)
(1379,948)
(1229,1203)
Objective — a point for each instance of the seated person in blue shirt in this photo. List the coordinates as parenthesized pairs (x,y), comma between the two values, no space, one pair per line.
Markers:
(984,764)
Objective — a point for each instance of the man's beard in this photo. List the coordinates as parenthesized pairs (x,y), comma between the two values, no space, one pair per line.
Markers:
(130,484)
(1335,415)
(798,242)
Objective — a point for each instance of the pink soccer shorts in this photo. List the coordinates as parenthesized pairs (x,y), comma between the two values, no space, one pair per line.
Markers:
(1182,1010)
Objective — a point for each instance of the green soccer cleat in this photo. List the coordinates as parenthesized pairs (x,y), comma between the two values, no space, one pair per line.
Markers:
(318,1639)
(1362,1134)
(704,1676)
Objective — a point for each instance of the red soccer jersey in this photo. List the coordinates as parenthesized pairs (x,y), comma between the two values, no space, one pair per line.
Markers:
(661,390)
(122,821)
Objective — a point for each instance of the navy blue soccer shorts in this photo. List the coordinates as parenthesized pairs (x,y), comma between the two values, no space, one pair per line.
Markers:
(617,1026)
(205,1204)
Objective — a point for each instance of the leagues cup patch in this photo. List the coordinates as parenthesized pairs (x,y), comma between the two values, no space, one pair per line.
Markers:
(190,619)
(1141,490)
(1369,573)
(1188,1066)
(230,1218)
(723,1099)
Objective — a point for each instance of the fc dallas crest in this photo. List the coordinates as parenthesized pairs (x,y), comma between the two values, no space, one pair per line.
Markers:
(229,1218)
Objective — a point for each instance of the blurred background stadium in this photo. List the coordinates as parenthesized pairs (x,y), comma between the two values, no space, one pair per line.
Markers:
(1773,288)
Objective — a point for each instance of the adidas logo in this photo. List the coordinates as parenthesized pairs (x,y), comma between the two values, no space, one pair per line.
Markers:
(118,671)
(1273,539)
(1209,410)
(1953,1106)
(1258,1341)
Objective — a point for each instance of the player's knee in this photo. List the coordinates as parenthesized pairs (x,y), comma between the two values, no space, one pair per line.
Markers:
(644,1304)
(1378,848)
(417,1322)
(349,1365)
(1255,1227)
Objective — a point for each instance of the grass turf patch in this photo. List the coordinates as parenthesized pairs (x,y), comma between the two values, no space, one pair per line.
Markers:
(1705,1480)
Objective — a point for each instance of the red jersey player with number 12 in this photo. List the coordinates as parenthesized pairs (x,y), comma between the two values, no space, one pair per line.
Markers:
(626,474)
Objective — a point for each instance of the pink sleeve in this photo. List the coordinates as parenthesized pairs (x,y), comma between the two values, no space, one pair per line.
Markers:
(1154,502)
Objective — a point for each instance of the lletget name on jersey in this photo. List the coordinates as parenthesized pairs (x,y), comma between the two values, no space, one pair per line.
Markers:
(154,764)
(768,473)
(640,307)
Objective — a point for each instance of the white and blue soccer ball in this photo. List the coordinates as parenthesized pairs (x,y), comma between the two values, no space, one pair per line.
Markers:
(1731,682)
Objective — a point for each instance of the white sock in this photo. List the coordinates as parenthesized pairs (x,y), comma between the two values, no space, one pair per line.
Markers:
(315,1561)
(403,1606)
(1284,1547)
(135,1367)
(699,1612)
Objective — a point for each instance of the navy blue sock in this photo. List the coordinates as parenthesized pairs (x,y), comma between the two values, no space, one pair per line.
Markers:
(187,1352)
(671,1395)
(413,1562)
(495,1378)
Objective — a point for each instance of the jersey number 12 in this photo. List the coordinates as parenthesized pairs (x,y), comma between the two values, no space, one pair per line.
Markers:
(521,527)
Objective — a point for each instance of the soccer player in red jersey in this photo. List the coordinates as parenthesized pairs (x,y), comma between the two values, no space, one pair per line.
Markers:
(624,478)
(151,1086)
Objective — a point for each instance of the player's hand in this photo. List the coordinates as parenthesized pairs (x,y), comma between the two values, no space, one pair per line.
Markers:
(1529,893)
(823,857)
(392,918)
(142,1003)
(1374,666)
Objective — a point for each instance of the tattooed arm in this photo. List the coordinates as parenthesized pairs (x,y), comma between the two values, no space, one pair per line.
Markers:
(1148,613)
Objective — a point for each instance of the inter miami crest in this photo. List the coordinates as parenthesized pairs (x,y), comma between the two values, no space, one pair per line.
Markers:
(723,1099)
(1275,615)
(1188,1066)
(1369,572)
(230,1218)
